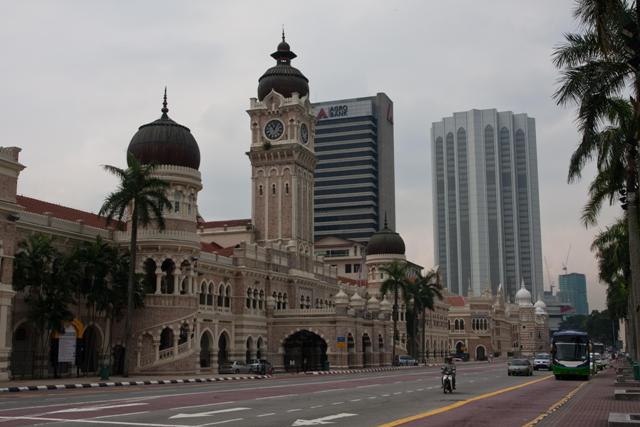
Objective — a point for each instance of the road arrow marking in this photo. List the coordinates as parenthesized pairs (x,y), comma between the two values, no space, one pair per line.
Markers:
(95,408)
(206,414)
(323,420)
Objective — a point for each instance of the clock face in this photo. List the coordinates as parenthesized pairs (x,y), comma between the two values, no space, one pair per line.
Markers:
(304,133)
(274,129)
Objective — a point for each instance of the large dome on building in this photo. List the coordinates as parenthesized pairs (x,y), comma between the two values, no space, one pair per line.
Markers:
(283,78)
(523,296)
(385,242)
(165,142)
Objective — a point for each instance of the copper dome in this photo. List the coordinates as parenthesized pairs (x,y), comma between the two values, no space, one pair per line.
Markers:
(283,78)
(165,142)
(385,242)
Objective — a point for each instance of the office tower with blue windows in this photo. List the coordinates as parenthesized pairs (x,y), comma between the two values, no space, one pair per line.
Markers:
(354,176)
(485,202)
(573,290)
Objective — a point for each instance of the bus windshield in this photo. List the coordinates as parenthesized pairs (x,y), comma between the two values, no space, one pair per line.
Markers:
(571,351)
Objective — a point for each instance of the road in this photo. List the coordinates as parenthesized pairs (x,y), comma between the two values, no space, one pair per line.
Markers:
(413,397)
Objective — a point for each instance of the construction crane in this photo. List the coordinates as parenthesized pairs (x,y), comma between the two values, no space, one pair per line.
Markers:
(566,260)
(551,285)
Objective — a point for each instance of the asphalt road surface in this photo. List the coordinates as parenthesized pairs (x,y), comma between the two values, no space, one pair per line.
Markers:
(485,395)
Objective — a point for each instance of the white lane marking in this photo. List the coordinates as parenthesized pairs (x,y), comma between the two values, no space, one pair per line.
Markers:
(397,393)
(330,390)
(368,385)
(268,414)
(372,397)
(94,408)
(93,421)
(221,422)
(355,400)
(337,403)
(398,382)
(120,415)
(316,406)
(430,388)
(206,414)
(420,389)
(180,408)
(386,395)
(409,391)
(294,410)
(323,420)
(274,397)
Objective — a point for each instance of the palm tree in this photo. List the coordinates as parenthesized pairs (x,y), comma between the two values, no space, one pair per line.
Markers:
(426,289)
(396,282)
(598,67)
(143,196)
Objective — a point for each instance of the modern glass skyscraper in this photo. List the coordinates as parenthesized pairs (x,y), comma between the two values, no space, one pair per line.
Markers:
(485,202)
(573,290)
(354,176)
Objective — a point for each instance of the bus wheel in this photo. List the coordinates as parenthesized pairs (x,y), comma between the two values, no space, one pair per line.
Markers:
(558,377)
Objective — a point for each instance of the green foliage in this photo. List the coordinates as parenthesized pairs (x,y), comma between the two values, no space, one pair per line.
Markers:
(46,278)
(598,325)
(421,293)
(396,283)
(611,247)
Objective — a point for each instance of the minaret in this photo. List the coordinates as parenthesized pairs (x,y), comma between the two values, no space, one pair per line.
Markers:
(282,155)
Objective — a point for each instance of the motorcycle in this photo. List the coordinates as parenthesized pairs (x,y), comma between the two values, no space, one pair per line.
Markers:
(447,382)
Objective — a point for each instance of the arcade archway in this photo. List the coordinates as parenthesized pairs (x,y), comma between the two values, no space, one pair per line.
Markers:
(481,353)
(223,348)
(304,351)
(206,342)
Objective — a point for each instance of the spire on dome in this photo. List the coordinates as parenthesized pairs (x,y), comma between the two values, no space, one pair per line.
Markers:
(165,110)
(283,33)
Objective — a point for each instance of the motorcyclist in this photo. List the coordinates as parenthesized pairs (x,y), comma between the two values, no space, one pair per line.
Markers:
(450,369)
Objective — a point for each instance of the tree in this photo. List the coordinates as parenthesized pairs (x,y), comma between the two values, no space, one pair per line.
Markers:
(612,252)
(396,282)
(46,277)
(143,196)
(599,66)
(424,290)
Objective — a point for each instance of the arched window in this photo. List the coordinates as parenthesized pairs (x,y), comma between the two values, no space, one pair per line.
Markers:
(260,299)
(284,301)
(177,198)
(255,299)
(462,324)
(210,295)
(260,190)
(301,301)
(308,304)
(203,292)
(457,325)
(249,298)
(273,189)
(279,300)
(227,297)
(286,188)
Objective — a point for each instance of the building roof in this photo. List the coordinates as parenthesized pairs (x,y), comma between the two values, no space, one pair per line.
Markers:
(357,282)
(63,212)
(456,300)
(283,78)
(215,248)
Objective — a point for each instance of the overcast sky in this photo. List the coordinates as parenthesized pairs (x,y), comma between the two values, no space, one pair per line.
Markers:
(77,78)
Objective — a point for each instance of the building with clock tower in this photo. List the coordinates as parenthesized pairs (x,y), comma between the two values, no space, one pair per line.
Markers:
(282,156)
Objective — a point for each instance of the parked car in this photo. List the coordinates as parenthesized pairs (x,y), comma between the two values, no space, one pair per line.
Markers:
(406,361)
(233,368)
(520,367)
(260,366)
(542,361)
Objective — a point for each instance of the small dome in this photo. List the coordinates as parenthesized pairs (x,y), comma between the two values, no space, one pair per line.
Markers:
(523,296)
(356,300)
(341,298)
(540,311)
(165,142)
(385,305)
(283,78)
(540,304)
(373,304)
(386,242)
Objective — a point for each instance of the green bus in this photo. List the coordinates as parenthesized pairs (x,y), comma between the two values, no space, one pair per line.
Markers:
(570,356)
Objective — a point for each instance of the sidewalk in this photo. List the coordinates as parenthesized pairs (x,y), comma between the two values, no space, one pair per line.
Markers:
(591,405)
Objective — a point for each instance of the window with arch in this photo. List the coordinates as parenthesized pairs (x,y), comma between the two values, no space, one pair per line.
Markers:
(308,304)
(286,188)
(462,324)
(284,301)
(302,302)
(227,297)
(273,189)
(189,204)
(210,295)
(260,191)
(278,300)
(177,198)
(260,299)
(203,294)
(249,293)
(254,302)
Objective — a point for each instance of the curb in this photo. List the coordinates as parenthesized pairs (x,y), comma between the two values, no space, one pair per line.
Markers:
(129,383)
(363,370)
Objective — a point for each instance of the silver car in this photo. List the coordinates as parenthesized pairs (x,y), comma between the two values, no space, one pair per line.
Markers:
(234,368)
(520,367)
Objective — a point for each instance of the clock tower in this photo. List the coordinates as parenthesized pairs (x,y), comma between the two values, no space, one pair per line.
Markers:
(282,155)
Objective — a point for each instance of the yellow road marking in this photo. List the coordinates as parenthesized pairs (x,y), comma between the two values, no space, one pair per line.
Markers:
(554,407)
(459,404)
